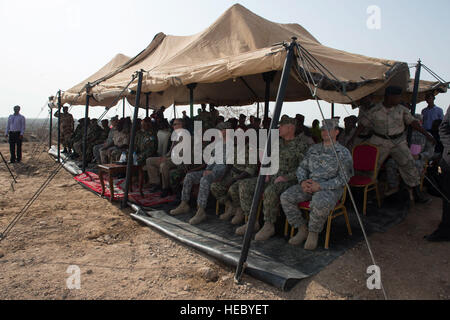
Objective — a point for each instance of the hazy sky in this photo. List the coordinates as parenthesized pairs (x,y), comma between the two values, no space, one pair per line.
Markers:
(54,44)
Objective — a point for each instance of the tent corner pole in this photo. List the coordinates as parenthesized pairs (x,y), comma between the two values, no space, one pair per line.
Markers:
(261,178)
(191,88)
(268,79)
(132,138)
(50,129)
(415,95)
(86,124)
(147,103)
(59,125)
(123,107)
(332,110)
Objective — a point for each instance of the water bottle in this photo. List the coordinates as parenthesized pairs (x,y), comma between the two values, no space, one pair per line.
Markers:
(123,157)
(135,162)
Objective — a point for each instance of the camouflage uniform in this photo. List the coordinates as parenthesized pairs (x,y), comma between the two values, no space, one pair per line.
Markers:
(67,128)
(78,133)
(146,146)
(192,178)
(427,150)
(366,134)
(392,122)
(220,190)
(291,153)
(93,138)
(321,166)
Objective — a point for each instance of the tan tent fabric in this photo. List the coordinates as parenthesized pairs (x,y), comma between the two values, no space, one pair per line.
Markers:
(72,95)
(424,88)
(242,44)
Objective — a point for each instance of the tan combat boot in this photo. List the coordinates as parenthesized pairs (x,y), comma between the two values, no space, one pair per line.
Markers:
(238,217)
(199,217)
(266,232)
(311,243)
(300,237)
(243,229)
(181,209)
(229,212)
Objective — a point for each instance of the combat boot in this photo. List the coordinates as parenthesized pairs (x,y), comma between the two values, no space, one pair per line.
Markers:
(181,209)
(238,217)
(419,196)
(300,237)
(229,212)
(243,229)
(199,217)
(266,232)
(311,243)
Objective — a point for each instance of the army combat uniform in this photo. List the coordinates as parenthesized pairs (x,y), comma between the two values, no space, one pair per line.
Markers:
(67,128)
(291,153)
(222,192)
(320,165)
(389,136)
(146,146)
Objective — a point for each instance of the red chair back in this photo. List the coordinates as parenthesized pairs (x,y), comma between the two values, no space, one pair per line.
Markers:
(365,157)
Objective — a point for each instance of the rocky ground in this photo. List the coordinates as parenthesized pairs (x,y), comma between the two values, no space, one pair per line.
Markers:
(121,259)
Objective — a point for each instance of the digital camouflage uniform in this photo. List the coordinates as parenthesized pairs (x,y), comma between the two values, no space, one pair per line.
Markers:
(145,146)
(321,166)
(192,178)
(220,190)
(392,122)
(427,151)
(291,153)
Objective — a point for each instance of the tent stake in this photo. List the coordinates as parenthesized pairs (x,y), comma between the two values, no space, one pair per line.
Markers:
(268,79)
(132,138)
(191,88)
(59,125)
(261,179)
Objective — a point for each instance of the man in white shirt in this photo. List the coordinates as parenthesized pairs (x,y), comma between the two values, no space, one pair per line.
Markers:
(14,131)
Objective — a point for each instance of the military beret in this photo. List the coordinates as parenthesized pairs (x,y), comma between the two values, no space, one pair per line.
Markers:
(224,126)
(330,124)
(393,91)
(287,120)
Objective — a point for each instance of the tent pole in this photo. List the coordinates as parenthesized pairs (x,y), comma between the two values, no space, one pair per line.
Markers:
(147,95)
(332,110)
(59,125)
(50,129)
(86,124)
(257,112)
(268,79)
(261,179)
(174,111)
(415,95)
(123,102)
(191,88)
(132,138)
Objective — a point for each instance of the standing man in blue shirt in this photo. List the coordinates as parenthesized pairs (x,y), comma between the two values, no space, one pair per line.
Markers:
(15,130)
(431,113)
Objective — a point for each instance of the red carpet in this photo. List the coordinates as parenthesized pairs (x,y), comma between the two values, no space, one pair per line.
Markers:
(92,181)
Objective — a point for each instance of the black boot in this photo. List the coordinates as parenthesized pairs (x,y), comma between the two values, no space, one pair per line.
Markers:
(419,196)
(440,235)
(165,193)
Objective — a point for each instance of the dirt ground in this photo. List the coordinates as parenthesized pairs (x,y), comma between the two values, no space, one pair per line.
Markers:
(121,259)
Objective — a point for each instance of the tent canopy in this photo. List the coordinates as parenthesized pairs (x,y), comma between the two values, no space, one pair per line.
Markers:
(231,55)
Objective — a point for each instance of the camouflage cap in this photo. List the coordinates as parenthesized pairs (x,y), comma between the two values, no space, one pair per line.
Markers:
(224,126)
(287,120)
(330,124)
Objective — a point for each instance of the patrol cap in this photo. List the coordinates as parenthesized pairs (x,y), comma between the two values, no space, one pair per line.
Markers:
(115,118)
(330,124)
(393,91)
(224,126)
(287,120)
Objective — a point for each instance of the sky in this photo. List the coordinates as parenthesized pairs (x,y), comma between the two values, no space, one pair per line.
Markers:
(49,45)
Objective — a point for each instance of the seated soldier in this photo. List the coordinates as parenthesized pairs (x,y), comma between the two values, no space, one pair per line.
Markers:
(157,166)
(205,178)
(291,152)
(422,151)
(146,143)
(76,138)
(108,142)
(321,181)
(121,139)
(226,190)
